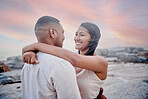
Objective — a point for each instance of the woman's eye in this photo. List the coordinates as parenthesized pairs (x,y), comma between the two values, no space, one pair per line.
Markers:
(81,34)
(76,34)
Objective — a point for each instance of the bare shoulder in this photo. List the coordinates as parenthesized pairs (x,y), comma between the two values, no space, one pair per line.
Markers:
(101,58)
(104,64)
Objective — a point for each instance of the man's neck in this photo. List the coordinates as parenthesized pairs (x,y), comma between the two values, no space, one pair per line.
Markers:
(47,42)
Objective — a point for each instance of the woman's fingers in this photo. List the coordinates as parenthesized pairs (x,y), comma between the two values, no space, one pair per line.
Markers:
(27,57)
(30,58)
(34,60)
(24,57)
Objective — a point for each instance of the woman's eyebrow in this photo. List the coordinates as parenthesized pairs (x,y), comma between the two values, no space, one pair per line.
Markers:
(80,32)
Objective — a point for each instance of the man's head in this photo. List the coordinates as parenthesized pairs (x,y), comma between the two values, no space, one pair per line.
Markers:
(49,30)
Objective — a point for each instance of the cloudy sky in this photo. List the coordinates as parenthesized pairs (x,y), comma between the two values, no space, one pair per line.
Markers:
(122,22)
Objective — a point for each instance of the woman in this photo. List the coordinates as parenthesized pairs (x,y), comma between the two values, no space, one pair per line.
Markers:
(91,68)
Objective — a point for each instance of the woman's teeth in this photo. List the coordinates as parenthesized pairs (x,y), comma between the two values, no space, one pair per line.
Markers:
(78,43)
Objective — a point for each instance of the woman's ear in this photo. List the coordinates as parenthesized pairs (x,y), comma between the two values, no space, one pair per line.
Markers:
(52,32)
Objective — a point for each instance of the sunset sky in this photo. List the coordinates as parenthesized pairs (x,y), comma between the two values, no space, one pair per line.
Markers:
(122,22)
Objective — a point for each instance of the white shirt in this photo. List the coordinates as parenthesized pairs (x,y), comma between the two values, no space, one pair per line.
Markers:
(89,84)
(52,78)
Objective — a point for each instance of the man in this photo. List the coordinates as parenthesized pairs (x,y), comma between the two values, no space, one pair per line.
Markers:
(53,77)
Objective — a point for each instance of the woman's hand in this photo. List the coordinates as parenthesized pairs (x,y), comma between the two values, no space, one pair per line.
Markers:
(28,48)
(30,58)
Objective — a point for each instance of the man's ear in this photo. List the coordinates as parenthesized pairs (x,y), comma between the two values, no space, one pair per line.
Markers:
(52,32)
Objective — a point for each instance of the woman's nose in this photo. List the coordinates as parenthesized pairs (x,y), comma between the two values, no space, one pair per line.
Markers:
(77,37)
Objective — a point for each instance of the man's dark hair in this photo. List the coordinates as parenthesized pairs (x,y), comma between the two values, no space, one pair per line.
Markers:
(43,21)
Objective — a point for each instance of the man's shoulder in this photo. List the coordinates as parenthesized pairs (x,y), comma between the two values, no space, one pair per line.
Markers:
(43,57)
(53,62)
(40,55)
(48,57)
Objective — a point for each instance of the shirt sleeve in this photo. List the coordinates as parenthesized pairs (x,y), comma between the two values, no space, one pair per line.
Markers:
(64,81)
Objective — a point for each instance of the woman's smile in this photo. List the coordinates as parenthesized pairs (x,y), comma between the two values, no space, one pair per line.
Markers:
(82,38)
(78,44)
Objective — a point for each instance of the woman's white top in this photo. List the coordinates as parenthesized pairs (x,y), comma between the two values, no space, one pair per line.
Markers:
(89,84)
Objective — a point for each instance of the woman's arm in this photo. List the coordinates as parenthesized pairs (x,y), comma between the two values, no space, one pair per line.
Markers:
(93,63)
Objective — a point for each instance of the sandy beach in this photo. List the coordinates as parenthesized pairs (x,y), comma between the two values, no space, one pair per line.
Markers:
(124,81)
(127,74)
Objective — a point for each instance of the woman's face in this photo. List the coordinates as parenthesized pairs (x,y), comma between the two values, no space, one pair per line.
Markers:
(82,38)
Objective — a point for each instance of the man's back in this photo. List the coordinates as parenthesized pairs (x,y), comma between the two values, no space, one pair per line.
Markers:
(52,78)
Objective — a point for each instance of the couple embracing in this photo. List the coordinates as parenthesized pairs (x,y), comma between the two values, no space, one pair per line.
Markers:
(51,72)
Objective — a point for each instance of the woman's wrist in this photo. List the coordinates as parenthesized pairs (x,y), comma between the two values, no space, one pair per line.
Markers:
(35,46)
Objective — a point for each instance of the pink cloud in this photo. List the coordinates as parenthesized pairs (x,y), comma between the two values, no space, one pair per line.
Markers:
(72,13)
(18,19)
(126,26)
(17,36)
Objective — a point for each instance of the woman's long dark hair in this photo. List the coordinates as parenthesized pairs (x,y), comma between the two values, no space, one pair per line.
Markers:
(94,32)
